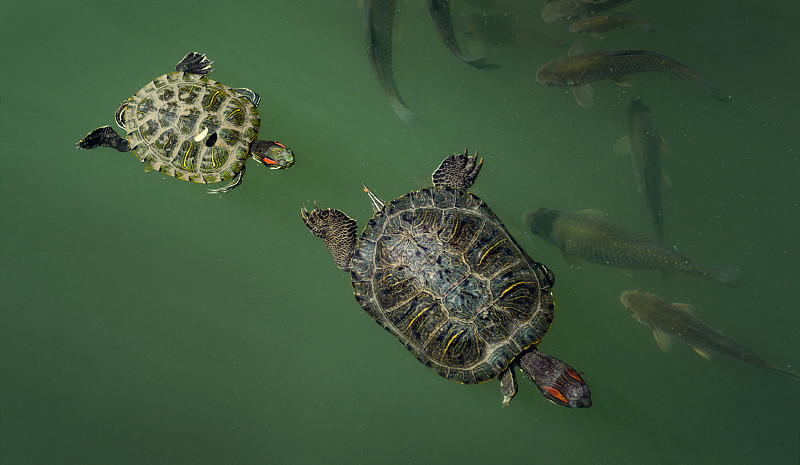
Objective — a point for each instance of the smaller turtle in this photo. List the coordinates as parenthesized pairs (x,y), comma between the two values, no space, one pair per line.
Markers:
(439,271)
(190,127)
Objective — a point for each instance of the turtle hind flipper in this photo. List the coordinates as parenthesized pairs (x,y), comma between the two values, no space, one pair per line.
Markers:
(104,136)
(457,171)
(336,229)
(195,63)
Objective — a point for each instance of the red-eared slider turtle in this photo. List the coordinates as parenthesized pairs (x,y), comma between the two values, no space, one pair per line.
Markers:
(439,271)
(193,128)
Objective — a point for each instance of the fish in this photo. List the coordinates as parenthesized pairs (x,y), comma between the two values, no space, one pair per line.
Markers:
(668,320)
(579,69)
(560,10)
(597,24)
(589,236)
(646,148)
(379,23)
(440,13)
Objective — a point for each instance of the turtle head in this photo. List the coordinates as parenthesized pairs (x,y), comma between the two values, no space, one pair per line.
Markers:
(272,154)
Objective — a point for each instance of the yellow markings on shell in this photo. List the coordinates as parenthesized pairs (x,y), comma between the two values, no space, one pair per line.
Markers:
(215,164)
(201,136)
(417,316)
(450,342)
(513,286)
(213,97)
(186,155)
(489,250)
(230,115)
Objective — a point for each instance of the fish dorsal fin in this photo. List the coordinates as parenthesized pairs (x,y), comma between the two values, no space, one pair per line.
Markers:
(663,340)
(684,307)
(576,48)
(702,353)
(593,212)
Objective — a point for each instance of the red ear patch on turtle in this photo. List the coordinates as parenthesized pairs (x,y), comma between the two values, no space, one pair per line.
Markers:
(555,393)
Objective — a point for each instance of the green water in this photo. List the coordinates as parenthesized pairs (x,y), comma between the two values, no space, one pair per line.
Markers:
(146,322)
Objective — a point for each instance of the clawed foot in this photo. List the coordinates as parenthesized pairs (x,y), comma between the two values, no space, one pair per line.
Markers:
(336,229)
(195,63)
(458,171)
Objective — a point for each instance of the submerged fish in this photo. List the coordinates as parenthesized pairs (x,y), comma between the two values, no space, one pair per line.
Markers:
(440,13)
(579,69)
(646,148)
(379,23)
(590,237)
(597,24)
(559,10)
(676,321)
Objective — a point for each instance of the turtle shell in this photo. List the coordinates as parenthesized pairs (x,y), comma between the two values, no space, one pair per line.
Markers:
(439,271)
(190,127)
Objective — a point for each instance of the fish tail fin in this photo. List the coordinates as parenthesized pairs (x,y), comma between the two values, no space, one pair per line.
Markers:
(705,84)
(405,113)
(785,371)
(727,276)
(479,63)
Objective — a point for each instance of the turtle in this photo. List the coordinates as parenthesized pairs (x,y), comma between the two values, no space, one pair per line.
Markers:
(190,127)
(438,270)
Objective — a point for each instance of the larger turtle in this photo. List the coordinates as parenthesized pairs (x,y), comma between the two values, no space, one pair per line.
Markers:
(188,126)
(437,269)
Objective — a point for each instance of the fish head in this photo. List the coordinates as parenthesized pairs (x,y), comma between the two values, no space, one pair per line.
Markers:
(549,74)
(540,221)
(637,304)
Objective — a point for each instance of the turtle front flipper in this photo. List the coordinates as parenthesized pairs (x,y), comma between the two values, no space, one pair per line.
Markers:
(336,229)
(195,63)
(104,137)
(508,385)
(457,171)
(558,382)
(249,94)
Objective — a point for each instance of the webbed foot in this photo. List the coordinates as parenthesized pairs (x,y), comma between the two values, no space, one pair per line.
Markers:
(508,385)
(195,63)
(336,229)
(249,94)
(457,171)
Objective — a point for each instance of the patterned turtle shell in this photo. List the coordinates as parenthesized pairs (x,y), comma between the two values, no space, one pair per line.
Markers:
(426,244)
(190,127)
